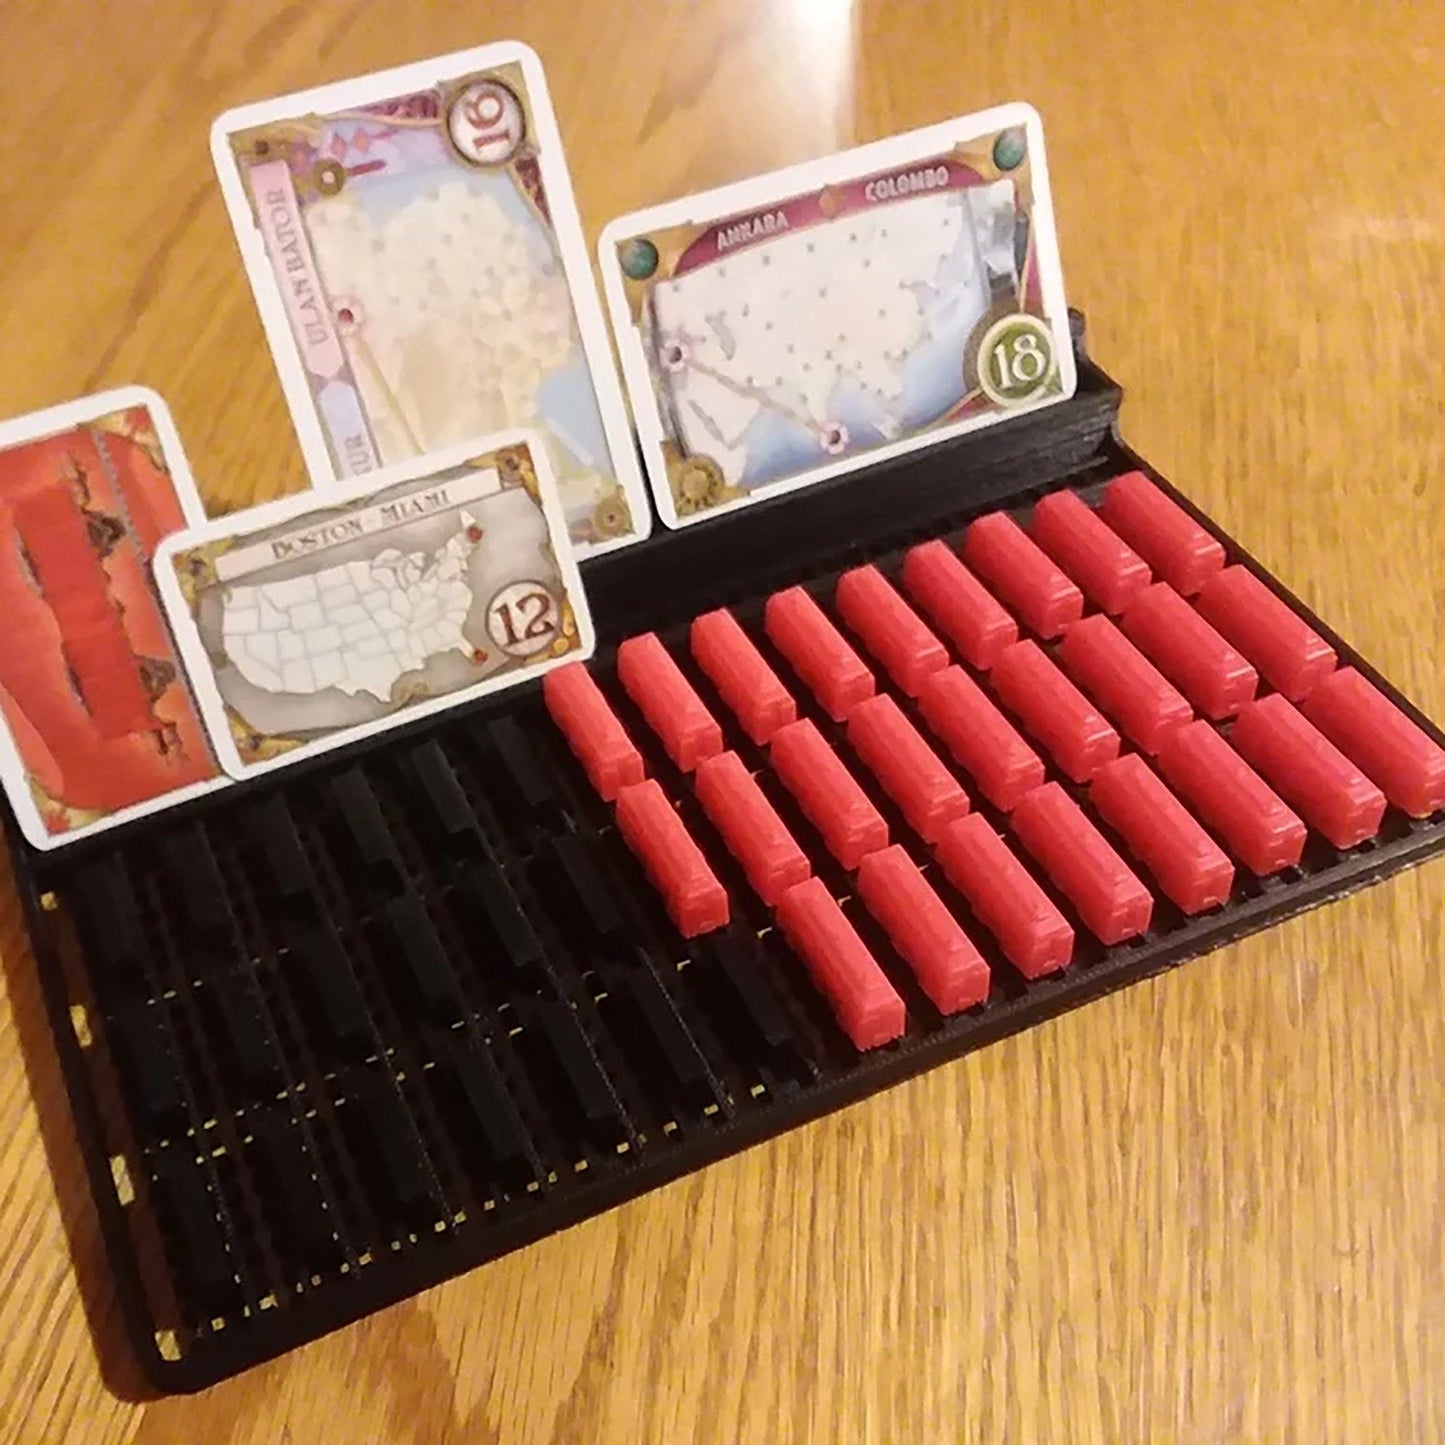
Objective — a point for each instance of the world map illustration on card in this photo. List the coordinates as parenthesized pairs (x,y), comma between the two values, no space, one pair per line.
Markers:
(415,250)
(790,328)
(306,625)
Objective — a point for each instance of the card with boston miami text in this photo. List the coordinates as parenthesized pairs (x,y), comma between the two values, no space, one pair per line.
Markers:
(99,722)
(793,327)
(313,622)
(418,261)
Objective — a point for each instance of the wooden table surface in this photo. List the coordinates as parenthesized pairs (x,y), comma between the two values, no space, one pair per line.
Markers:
(1206,1209)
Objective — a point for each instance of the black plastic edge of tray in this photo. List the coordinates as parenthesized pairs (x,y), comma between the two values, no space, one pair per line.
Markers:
(1011,461)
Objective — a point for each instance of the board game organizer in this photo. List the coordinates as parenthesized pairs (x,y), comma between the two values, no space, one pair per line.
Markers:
(861,778)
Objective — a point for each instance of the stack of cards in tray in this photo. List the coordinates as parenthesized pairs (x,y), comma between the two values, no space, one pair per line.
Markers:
(1135,720)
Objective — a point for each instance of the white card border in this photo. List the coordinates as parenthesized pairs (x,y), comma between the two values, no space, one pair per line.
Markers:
(758,191)
(286,509)
(36,426)
(566,224)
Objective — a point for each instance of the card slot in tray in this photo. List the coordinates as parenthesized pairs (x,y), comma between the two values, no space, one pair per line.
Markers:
(389,1152)
(303,1227)
(365,828)
(188,1212)
(410,949)
(105,913)
(333,994)
(235,1014)
(144,1049)
(485,898)
(521,767)
(194,884)
(588,902)
(671,1062)
(290,879)
(486,1110)
(446,799)
(555,1022)
(735,959)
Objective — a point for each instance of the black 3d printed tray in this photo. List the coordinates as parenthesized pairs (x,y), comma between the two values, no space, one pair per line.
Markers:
(340,1034)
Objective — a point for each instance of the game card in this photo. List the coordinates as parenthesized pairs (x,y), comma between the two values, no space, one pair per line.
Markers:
(99,724)
(312,622)
(418,261)
(790,328)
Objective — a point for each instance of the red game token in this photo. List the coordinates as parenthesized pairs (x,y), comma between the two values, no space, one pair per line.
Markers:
(1161,532)
(750,826)
(827,793)
(980,737)
(968,614)
(1285,648)
(652,829)
(833,672)
(1162,834)
(1000,551)
(1123,681)
(1034,936)
(741,674)
(1112,902)
(1108,570)
(864,1002)
(952,971)
(891,630)
(1053,710)
(1375,735)
(668,701)
(1309,771)
(911,773)
(1264,834)
(1188,651)
(592,730)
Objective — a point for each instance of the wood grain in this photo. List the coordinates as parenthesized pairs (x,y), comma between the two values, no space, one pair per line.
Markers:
(1207,1209)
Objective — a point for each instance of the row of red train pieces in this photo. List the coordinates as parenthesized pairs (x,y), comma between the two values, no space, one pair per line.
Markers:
(1324,742)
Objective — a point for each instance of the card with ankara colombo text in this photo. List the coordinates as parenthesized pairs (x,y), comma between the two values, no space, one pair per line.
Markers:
(417,258)
(309,623)
(806,323)
(99,723)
